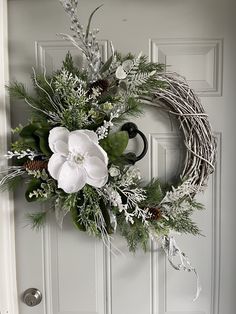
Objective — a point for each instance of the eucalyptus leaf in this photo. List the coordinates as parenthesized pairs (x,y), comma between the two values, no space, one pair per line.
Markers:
(115,144)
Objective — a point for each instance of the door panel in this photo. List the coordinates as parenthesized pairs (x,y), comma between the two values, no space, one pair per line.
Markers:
(199,60)
(74,272)
(78,274)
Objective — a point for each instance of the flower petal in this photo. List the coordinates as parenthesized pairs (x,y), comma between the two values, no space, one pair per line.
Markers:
(79,142)
(102,154)
(57,134)
(98,183)
(97,151)
(71,177)
(91,134)
(55,163)
(61,147)
(95,168)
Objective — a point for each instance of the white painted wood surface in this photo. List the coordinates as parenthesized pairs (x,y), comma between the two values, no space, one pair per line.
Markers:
(8,291)
(76,273)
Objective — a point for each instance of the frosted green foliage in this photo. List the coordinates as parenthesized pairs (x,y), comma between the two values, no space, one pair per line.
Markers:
(137,234)
(125,194)
(137,76)
(39,174)
(177,194)
(178,206)
(71,88)
(45,191)
(89,213)
(74,101)
(17,129)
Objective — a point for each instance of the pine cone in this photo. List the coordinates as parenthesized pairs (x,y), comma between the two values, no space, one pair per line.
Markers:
(155,213)
(101,84)
(36,165)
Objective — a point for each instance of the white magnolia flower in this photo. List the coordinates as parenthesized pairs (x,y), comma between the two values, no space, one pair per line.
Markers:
(78,159)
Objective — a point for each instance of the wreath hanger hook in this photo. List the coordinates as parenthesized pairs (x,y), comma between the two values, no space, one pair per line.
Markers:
(132,130)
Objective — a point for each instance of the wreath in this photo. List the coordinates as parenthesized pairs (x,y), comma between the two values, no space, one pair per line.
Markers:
(71,154)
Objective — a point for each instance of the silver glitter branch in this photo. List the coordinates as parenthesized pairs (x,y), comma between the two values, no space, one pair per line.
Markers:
(83,39)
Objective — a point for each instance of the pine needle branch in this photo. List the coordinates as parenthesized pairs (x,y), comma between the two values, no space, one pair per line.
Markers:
(37,220)
(18,90)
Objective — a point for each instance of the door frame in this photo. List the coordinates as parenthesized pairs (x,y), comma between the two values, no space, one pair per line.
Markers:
(8,283)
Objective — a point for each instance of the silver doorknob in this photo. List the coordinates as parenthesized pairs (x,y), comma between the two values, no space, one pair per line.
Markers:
(32,297)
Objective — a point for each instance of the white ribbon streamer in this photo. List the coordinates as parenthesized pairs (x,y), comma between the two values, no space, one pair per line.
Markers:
(113,220)
(172,250)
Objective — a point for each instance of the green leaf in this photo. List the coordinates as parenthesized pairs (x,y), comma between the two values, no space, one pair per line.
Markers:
(74,216)
(33,185)
(30,142)
(90,19)
(115,144)
(43,141)
(106,65)
(130,158)
(154,193)
(125,159)
(106,217)
(28,130)
(35,135)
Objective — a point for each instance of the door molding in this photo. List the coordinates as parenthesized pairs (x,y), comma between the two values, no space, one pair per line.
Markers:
(8,286)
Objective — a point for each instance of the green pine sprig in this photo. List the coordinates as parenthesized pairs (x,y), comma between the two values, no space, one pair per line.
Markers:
(37,220)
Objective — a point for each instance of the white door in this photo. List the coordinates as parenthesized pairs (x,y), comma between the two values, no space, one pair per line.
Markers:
(77,274)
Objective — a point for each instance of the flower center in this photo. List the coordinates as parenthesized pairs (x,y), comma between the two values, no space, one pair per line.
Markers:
(75,158)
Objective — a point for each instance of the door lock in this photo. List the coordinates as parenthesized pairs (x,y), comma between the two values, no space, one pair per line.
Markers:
(32,297)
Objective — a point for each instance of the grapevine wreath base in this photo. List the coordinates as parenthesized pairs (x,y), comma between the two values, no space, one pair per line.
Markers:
(71,156)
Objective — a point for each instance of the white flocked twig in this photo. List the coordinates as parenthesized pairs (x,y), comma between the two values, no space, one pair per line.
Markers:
(178,99)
